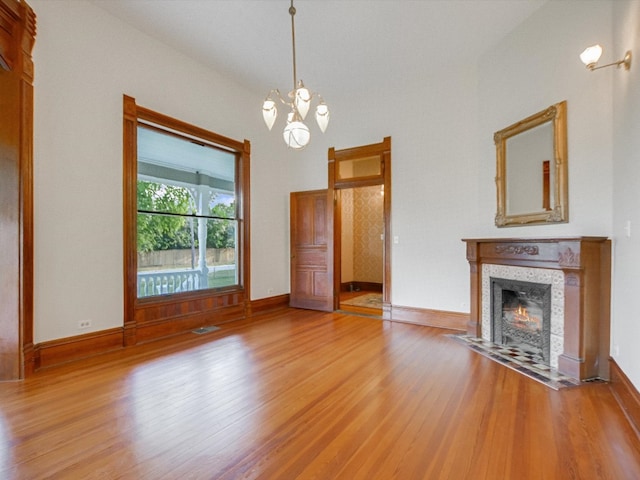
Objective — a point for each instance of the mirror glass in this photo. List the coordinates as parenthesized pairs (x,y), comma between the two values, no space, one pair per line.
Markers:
(531,176)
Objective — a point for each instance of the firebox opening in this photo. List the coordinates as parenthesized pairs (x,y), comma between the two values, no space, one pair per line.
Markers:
(521,316)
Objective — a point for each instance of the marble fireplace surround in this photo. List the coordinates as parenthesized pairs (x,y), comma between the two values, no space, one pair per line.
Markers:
(579,270)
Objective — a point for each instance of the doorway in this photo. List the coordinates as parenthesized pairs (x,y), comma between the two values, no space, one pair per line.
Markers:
(360,185)
(361,213)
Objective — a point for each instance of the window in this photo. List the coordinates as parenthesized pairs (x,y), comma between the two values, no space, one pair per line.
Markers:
(186,225)
(187,220)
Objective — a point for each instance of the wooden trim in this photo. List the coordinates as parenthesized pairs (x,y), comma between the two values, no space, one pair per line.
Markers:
(129,189)
(430,318)
(355,286)
(586,265)
(162,120)
(170,315)
(263,305)
(245,212)
(625,394)
(64,350)
(386,287)
(17,38)
(26,173)
(175,325)
(382,149)
(150,318)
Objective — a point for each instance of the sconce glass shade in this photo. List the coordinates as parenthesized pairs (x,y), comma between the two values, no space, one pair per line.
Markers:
(302,100)
(269,112)
(591,55)
(296,135)
(322,116)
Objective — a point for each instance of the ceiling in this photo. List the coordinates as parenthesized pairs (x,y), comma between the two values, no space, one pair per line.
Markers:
(343,47)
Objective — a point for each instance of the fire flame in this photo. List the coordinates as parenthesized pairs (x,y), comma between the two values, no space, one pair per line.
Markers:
(522,319)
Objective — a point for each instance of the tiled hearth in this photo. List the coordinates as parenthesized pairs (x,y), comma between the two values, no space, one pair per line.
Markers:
(520,360)
(578,270)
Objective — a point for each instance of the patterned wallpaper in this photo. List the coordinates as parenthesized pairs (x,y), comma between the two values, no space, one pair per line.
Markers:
(347,235)
(363,222)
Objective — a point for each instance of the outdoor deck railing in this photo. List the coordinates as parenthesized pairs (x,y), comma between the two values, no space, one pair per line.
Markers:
(162,282)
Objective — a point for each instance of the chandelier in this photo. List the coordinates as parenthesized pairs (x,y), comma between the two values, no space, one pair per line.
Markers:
(296,134)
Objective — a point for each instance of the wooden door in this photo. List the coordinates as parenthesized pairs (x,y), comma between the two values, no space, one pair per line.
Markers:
(16,185)
(311,250)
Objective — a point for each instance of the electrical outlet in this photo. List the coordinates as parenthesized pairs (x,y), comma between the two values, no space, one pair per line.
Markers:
(82,324)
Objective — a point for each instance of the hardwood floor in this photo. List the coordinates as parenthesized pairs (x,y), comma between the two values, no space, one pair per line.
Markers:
(365,310)
(298,394)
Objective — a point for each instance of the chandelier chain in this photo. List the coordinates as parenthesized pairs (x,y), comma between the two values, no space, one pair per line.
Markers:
(292,11)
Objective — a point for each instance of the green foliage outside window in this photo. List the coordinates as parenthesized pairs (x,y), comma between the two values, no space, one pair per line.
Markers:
(168,232)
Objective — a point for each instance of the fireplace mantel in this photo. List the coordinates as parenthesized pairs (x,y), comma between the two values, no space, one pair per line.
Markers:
(586,264)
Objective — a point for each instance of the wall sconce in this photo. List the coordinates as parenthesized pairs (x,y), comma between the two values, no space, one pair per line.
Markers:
(591,55)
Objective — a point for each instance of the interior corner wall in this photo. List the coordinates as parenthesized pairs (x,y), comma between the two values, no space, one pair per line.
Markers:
(625,328)
(85,60)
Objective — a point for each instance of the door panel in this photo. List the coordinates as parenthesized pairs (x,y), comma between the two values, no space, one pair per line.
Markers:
(311,251)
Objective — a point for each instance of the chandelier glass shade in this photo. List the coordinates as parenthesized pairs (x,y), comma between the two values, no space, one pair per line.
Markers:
(296,134)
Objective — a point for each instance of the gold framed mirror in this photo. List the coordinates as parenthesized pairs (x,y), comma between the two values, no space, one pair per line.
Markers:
(531,169)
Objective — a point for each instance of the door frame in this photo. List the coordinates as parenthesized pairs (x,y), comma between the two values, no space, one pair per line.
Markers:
(16,189)
(383,150)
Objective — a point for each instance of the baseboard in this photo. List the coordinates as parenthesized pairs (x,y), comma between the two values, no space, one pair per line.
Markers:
(625,394)
(68,349)
(360,286)
(268,304)
(64,350)
(152,330)
(430,318)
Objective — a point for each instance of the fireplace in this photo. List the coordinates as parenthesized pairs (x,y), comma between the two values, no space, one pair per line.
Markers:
(521,316)
(578,271)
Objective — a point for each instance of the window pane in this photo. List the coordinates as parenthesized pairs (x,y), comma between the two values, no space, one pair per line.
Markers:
(172,260)
(180,161)
(360,167)
(160,197)
(177,176)
(222,205)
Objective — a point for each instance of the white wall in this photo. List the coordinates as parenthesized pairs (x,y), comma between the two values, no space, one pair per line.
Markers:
(85,61)
(432,124)
(626,185)
(534,67)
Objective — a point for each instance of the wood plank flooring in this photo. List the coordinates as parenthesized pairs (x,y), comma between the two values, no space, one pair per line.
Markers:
(365,310)
(298,394)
